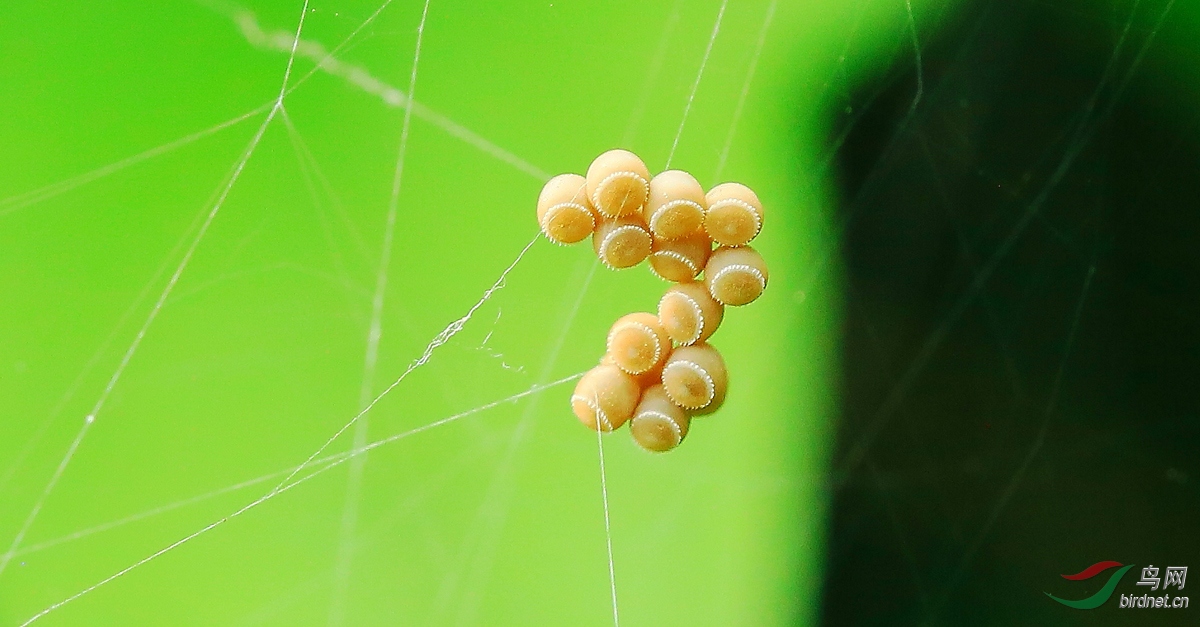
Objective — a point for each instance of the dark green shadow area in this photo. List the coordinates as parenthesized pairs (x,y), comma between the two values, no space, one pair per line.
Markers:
(1022,284)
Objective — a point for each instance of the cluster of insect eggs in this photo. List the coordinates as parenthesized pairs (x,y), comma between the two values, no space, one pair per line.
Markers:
(668,219)
(646,380)
(658,370)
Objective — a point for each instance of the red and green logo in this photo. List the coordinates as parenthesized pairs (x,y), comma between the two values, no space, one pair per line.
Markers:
(1101,595)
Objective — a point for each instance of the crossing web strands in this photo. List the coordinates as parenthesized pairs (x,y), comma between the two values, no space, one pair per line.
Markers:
(292,241)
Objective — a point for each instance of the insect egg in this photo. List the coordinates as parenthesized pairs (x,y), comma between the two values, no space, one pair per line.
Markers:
(695,378)
(622,242)
(658,425)
(735,276)
(638,343)
(618,183)
(676,205)
(680,259)
(605,398)
(563,210)
(689,313)
(734,215)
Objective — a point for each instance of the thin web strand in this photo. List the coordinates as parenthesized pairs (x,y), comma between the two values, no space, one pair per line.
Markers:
(287,72)
(440,339)
(154,311)
(1048,413)
(54,189)
(897,133)
(920,66)
(371,358)
(321,63)
(599,431)
(362,79)
(612,575)
(116,376)
(179,269)
(306,156)
(478,141)
(1079,139)
(308,173)
(828,252)
(104,345)
(500,477)
(46,192)
(741,102)
(159,510)
(652,73)
(865,106)
(266,497)
(834,237)
(168,507)
(889,508)
(687,108)
(332,54)
(1011,487)
(412,502)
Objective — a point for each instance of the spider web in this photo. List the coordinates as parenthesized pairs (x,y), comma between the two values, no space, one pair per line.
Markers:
(340,268)
(211,351)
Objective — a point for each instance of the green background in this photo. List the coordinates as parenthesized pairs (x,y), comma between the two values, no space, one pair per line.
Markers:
(256,358)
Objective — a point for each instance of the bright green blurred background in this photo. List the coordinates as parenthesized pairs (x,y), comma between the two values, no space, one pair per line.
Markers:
(256,358)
